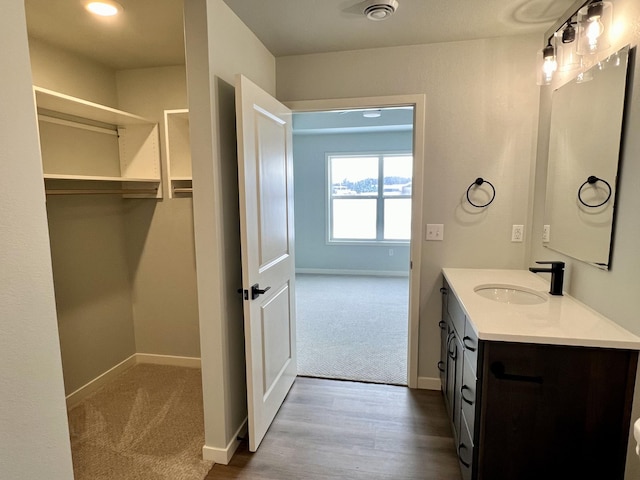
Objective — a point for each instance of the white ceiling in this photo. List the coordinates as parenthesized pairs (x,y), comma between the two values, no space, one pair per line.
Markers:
(150,32)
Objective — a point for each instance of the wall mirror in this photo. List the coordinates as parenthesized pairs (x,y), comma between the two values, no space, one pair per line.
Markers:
(584,150)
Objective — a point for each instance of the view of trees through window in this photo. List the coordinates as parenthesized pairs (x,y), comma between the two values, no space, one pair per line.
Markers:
(370,197)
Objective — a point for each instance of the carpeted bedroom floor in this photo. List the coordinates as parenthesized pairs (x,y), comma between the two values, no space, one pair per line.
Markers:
(352,327)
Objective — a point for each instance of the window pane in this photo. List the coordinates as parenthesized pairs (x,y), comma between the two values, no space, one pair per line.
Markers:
(397,219)
(354,219)
(354,175)
(397,175)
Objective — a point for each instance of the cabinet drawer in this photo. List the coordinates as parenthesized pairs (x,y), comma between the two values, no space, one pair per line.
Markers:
(468,396)
(470,344)
(456,313)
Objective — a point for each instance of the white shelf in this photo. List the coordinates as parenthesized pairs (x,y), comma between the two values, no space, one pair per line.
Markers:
(57,176)
(77,107)
(85,141)
(178,151)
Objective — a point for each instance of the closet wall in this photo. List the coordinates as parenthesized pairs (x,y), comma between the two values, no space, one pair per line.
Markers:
(160,239)
(124,269)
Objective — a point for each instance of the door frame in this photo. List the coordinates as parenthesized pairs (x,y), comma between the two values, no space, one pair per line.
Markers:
(418,101)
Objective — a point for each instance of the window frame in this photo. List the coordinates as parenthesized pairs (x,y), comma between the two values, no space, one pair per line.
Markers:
(379,197)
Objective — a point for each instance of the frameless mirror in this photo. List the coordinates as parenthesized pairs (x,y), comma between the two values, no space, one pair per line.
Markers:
(584,151)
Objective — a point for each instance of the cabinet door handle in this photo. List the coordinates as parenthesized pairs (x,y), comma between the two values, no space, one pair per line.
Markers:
(444,291)
(442,324)
(441,366)
(464,399)
(460,448)
(498,370)
(451,348)
(471,347)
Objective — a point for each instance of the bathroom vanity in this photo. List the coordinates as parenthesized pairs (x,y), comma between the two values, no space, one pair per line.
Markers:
(536,385)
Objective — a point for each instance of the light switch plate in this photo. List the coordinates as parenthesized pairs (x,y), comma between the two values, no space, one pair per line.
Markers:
(435,231)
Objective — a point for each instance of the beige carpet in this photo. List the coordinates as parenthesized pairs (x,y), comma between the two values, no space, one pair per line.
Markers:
(353,327)
(145,425)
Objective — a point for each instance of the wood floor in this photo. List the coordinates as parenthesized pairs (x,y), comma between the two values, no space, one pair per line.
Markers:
(330,429)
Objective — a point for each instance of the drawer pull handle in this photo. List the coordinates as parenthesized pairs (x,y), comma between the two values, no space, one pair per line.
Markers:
(471,347)
(498,370)
(460,448)
(441,366)
(464,399)
(442,324)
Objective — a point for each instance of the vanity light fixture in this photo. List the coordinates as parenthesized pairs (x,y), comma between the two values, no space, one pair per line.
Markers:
(594,26)
(548,64)
(583,32)
(104,8)
(567,53)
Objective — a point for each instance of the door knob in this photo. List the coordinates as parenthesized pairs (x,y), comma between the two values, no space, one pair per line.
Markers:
(256,291)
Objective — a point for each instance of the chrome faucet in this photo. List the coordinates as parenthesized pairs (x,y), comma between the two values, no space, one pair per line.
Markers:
(557,275)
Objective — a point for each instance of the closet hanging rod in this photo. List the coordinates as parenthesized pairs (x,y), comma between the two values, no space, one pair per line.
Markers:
(83,126)
(183,190)
(78,191)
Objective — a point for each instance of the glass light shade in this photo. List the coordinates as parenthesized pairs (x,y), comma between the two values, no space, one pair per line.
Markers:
(546,65)
(567,54)
(594,28)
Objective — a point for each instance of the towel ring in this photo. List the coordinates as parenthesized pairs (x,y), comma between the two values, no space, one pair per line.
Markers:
(590,181)
(479,181)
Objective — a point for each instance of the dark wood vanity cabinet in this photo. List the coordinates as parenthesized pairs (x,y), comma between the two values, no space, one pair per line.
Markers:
(533,411)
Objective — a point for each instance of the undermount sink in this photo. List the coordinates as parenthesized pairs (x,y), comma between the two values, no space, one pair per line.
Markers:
(513,294)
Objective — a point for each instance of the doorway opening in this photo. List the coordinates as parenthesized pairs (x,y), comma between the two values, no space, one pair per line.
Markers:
(353,184)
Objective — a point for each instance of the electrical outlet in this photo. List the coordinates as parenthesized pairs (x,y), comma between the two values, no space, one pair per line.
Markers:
(517,233)
(546,233)
(391,252)
(435,231)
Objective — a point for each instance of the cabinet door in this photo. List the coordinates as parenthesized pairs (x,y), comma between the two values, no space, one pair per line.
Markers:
(554,412)
(450,371)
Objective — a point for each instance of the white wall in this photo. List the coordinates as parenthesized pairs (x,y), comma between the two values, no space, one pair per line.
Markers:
(218,46)
(88,238)
(613,293)
(34,437)
(481,121)
(160,242)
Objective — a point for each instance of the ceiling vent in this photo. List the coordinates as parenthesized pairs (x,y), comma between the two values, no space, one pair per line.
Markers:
(377,10)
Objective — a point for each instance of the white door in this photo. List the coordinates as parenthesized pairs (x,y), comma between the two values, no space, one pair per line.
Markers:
(265,173)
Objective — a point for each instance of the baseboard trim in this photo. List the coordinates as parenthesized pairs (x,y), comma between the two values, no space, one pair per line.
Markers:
(224,455)
(372,273)
(176,361)
(83,392)
(429,383)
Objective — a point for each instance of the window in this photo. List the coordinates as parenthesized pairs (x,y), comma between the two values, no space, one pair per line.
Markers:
(370,197)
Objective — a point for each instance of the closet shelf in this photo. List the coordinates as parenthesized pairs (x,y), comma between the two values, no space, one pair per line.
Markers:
(83,141)
(56,176)
(76,107)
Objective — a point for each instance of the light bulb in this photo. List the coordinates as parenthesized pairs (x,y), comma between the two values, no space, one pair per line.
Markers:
(550,65)
(594,29)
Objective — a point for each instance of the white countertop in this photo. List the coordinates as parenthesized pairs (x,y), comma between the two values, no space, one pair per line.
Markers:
(561,320)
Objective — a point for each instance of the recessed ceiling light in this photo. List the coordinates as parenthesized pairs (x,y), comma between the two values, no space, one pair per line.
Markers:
(104,8)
